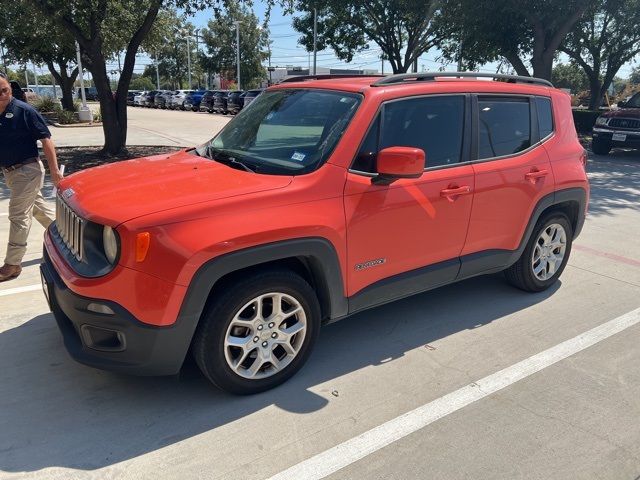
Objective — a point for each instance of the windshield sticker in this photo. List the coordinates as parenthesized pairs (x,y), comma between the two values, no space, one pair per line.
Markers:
(297,156)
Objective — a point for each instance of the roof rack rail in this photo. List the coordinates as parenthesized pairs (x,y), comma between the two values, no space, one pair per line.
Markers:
(302,78)
(429,76)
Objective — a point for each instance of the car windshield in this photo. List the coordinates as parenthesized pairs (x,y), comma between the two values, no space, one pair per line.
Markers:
(290,131)
(634,101)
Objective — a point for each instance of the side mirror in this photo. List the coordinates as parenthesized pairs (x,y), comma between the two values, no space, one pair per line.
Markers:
(394,163)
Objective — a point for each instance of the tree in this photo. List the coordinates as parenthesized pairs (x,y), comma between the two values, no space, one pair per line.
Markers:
(220,42)
(142,83)
(603,41)
(102,28)
(34,38)
(634,78)
(483,31)
(571,76)
(403,29)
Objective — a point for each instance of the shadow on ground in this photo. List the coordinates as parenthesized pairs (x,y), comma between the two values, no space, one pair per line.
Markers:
(615,181)
(55,412)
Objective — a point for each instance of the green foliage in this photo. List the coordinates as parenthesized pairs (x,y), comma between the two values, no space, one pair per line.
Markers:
(97,115)
(65,117)
(488,30)
(571,76)
(220,42)
(604,39)
(403,29)
(585,120)
(141,83)
(634,78)
(46,104)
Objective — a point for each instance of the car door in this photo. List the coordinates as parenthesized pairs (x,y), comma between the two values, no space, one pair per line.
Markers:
(411,223)
(512,172)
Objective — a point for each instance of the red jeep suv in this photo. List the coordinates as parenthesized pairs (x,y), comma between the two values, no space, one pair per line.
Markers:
(325,197)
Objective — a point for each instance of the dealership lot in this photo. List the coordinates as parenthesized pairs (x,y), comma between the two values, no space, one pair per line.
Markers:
(574,418)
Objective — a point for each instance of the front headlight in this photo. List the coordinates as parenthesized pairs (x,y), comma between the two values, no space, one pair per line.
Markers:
(110,244)
(602,121)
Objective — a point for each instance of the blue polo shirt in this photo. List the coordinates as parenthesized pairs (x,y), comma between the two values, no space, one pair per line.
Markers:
(21,126)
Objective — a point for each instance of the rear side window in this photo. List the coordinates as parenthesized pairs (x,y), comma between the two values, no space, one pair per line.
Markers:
(545,118)
(504,127)
(433,124)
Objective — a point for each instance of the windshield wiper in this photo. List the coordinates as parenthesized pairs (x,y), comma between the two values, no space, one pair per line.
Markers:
(223,157)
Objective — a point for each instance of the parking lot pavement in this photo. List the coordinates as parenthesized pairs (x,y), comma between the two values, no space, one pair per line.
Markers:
(148,126)
(575,417)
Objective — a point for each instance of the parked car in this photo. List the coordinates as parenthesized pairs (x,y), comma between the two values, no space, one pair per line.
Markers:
(177,100)
(618,128)
(131,95)
(149,98)
(206,102)
(250,96)
(220,102)
(138,99)
(163,98)
(91,93)
(193,99)
(316,205)
(235,101)
(30,95)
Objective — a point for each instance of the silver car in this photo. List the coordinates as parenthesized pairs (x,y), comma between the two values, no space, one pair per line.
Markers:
(137,100)
(177,99)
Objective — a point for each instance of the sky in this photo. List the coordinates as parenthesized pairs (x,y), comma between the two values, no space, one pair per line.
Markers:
(286,51)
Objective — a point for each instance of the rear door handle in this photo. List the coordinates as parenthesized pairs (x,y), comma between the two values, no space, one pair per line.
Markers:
(451,193)
(533,176)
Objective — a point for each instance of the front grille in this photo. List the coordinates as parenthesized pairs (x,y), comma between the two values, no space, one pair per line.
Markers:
(630,123)
(70,227)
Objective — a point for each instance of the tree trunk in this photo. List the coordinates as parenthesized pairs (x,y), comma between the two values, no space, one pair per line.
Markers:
(66,83)
(542,65)
(596,93)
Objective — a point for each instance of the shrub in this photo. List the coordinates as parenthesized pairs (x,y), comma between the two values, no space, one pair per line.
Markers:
(97,116)
(47,104)
(76,105)
(65,117)
(585,119)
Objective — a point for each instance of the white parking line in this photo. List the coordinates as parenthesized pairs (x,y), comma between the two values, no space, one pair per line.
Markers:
(12,291)
(350,451)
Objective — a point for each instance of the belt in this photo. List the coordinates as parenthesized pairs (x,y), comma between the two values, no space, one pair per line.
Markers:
(11,168)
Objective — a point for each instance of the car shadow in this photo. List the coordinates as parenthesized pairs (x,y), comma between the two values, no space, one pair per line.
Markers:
(57,413)
(614,181)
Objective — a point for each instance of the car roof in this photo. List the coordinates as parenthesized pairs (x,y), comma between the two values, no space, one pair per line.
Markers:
(410,86)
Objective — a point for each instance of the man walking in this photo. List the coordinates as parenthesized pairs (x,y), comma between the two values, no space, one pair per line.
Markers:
(21,126)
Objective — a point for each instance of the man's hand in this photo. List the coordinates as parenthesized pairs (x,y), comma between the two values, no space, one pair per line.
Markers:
(49,149)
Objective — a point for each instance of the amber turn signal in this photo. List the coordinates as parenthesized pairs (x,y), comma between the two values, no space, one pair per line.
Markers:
(142,245)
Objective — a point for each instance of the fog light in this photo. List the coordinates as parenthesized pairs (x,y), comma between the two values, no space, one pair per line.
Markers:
(99,308)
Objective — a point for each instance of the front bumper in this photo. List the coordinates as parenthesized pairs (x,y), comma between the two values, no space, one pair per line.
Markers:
(631,138)
(118,341)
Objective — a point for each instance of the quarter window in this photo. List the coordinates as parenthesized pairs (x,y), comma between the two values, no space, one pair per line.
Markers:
(545,118)
(433,124)
(504,127)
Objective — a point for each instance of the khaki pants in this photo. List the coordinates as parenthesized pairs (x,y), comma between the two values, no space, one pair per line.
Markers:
(25,202)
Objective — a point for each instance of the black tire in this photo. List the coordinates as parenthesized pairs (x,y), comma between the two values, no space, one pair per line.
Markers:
(600,147)
(208,344)
(521,274)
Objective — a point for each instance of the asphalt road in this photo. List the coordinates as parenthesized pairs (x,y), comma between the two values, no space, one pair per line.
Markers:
(472,381)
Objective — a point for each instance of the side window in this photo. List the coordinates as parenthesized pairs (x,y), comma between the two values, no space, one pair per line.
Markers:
(366,159)
(545,117)
(434,124)
(504,127)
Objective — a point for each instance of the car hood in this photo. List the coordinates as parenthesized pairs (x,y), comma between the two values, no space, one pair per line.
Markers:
(623,113)
(115,193)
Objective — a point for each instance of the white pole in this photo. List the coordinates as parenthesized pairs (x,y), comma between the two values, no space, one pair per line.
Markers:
(189,60)
(157,71)
(35,74)
(238,50)
(26,76)
(84,114)
(315,38)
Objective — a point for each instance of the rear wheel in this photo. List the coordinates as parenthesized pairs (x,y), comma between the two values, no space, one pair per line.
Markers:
(258,332)
(545,255)
(600,147)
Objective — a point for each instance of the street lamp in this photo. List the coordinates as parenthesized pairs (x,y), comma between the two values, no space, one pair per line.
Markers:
(84,114)
(237,24)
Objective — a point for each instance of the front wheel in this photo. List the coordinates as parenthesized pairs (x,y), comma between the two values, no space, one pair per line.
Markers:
(258,332)
(545,256)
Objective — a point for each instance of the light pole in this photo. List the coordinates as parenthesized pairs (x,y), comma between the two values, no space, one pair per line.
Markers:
(237,24)
(315,37)
(84,115)
(157,71)
(189,60)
